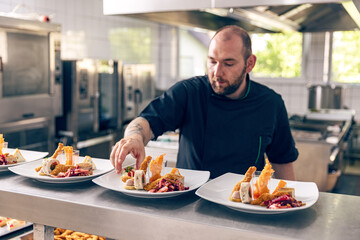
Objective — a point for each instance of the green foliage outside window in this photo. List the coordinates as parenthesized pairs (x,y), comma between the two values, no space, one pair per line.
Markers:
(345,57)
(278,54)
(131,45)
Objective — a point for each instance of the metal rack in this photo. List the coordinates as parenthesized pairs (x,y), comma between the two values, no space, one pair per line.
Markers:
(353,152)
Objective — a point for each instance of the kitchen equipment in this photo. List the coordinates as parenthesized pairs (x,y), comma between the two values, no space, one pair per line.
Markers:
(30,82)
(92,109)
(139,89)
(325,97)
(100,98)
(254,16)
(321,140)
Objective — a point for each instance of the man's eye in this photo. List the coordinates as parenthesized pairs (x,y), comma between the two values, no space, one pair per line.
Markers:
(229,64)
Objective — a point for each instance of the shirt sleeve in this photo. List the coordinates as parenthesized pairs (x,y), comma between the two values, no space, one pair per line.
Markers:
(282,149)
(166,112)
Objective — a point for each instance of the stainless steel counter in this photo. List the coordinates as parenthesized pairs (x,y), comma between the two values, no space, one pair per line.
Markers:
(89,208)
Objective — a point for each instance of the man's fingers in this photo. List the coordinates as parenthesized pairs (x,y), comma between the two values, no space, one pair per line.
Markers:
(140,158)
(113,155)
(118,160)
(122,149)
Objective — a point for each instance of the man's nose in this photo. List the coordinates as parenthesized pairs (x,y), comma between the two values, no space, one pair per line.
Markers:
(218,70)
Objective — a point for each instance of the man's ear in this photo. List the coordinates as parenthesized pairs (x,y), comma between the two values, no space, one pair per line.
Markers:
(250,63)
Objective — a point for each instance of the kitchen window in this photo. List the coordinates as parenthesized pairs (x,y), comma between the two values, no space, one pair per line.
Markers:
(278,54)
(131,44)
(345,60)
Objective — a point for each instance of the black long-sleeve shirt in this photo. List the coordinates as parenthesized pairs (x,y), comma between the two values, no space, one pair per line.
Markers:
(219,134)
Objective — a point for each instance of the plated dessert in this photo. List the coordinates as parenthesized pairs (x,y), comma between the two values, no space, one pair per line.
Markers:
(137,179)
(52,167)
(6,158)
(248,191)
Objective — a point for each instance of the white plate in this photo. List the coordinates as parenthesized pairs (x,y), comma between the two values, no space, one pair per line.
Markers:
(28,170)
(27,154)
(4,231)
(219,189)
(193,179)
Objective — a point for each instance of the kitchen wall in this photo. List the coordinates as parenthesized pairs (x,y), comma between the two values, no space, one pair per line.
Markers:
(87,33)
(193,55)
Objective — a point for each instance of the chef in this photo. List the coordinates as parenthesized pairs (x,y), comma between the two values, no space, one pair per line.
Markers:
(227,122)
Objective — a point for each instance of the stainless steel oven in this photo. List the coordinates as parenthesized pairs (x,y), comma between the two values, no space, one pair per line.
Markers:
(92,105)
(30,82)
(100,98)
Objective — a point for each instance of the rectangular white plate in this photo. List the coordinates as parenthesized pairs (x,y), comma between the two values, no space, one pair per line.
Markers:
(27,154)
(28,170)
(193,179)
(219,189)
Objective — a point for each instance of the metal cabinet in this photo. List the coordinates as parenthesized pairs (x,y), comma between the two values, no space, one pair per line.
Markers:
(30,79)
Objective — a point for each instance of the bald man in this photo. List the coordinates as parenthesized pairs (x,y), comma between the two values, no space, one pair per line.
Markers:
(227,122)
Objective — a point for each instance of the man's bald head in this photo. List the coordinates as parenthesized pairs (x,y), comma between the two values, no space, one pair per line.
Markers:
(226,33)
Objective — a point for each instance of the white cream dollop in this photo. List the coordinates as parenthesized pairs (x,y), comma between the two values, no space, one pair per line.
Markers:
(236,195)
(129,182)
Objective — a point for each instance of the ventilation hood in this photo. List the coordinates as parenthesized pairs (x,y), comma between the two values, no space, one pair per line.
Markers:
(254,16)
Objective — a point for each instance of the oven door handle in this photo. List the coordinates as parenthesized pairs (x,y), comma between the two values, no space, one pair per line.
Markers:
(334,153)
(137,93)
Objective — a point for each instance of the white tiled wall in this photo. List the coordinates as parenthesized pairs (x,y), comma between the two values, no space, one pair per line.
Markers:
(193,55)
(294,94)
(168,55)
(86,32)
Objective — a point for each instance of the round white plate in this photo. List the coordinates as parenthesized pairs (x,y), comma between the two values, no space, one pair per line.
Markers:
(28,170)
(219,189)
(27,154)
(193,179)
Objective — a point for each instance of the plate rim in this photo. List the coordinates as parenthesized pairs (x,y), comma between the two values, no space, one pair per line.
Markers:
(4,168)
(69,180)
(256,210)
(145,194)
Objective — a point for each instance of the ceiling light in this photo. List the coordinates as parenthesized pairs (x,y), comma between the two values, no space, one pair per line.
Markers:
(352,11)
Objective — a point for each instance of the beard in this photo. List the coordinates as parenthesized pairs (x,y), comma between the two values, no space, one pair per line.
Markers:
(228,88)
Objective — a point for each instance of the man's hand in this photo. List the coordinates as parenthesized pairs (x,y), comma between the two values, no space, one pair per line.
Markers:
(137,135)
(132,144)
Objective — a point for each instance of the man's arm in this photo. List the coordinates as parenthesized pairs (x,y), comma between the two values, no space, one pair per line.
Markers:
(139,126)
(284,171)
(137,134)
